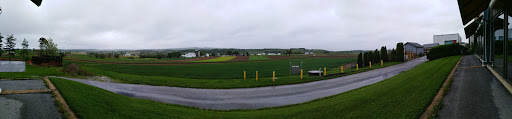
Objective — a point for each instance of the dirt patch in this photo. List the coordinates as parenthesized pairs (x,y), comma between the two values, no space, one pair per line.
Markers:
(240,58)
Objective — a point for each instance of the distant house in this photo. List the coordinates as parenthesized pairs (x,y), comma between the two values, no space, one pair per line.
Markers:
(427,47)
(309,52)
(189,55)
(271,54)
(413,48)
(127,54)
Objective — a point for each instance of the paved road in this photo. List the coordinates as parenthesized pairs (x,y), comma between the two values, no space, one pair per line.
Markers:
(254,98)
(476,94)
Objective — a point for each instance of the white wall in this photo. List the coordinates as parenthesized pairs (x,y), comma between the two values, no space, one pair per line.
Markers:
(445,37)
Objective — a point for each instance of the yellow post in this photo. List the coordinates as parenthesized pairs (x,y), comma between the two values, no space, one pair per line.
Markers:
(301,74)
(357,67)
(244,75)
(256,75)
(382,63)
(325,71)
(341,69)
(370,64)
(274,76)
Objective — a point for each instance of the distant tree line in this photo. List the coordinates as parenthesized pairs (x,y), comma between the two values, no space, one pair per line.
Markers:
(364,59)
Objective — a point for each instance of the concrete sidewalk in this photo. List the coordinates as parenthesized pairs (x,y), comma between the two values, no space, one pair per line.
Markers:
(476,94)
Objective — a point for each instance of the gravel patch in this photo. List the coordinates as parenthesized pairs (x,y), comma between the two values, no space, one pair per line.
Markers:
(10,109)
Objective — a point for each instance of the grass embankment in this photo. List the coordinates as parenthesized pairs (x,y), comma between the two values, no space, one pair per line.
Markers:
(218,59)
(403,96)
(33,72)
(258,57)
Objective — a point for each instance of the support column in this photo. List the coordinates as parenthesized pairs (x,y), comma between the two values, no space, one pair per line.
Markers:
(505,40)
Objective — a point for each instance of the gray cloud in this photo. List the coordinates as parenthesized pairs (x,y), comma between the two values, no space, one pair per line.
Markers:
(326,24)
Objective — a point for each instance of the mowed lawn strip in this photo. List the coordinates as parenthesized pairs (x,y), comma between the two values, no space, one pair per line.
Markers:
(403,96)
(218,59)
(258,57)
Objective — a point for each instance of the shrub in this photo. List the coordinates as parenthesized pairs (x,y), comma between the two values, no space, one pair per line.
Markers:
(441,51)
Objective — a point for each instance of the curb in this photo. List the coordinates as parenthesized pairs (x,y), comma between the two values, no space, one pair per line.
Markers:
(440,94)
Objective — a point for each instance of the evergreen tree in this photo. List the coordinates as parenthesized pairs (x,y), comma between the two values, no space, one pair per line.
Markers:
(360,59)
(10,45)
(377,56)
(400,52)
(371,57)
(393,55)
(24,52)
(1,51)
(384,54)
(365,59)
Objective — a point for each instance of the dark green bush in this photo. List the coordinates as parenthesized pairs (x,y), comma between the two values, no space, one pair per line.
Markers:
(445,51)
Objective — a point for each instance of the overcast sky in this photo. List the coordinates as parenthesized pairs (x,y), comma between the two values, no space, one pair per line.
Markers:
(152,24)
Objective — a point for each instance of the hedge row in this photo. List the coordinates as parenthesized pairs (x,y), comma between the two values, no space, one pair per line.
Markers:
(441,51)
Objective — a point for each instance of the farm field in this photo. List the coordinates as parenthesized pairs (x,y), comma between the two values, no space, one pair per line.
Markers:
(218,59)
(258,57)
(403,96)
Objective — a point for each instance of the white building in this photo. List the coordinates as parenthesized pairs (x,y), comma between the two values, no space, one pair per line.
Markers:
(189,55)
(447,39)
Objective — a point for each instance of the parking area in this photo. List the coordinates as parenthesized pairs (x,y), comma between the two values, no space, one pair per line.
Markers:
(23,104)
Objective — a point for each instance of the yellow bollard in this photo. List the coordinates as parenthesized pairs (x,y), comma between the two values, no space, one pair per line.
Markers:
(325,71)
(382,63)
(370,65)
(256,75)
(357,66)
(341,69)
(274,76)
(244,75)
(301,74)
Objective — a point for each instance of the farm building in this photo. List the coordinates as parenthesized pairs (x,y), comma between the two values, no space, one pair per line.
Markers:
(414,48)
(427,47)
(189,55)
(447,39)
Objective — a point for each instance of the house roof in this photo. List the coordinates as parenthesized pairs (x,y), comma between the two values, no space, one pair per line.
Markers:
(430,45)
(414,44)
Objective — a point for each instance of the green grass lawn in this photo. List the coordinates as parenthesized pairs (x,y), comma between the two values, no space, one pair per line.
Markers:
(258,57)
(218,59)
(403,96)
(224,70)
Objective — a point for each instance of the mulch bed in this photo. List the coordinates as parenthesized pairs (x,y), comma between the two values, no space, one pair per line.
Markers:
(240,58)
